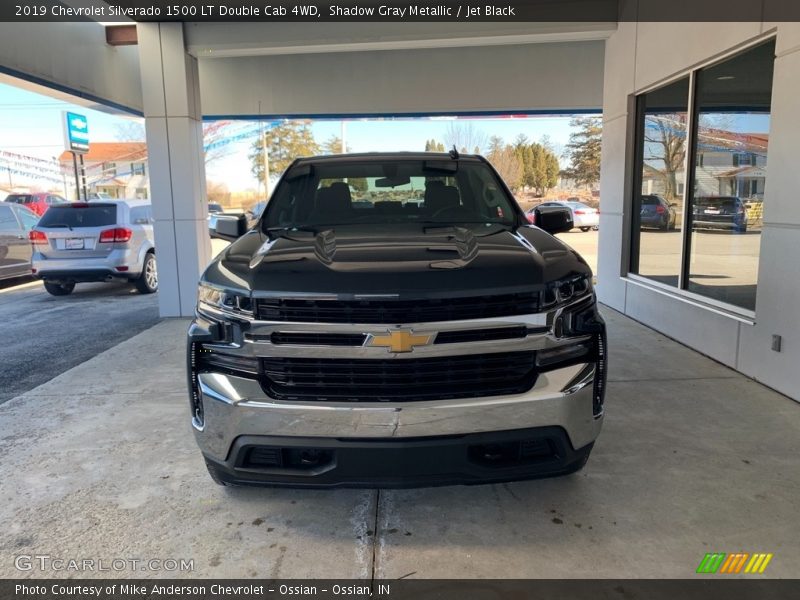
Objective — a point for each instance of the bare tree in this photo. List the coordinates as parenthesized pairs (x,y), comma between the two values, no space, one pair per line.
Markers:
(665,145)
(507,163)
(464,135)
(129,131)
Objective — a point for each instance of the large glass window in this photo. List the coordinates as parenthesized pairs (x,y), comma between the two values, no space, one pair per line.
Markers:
(728,122)
(732,104)
(657,212)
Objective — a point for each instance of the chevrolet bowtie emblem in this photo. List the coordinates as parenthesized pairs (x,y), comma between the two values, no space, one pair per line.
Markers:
(399,341)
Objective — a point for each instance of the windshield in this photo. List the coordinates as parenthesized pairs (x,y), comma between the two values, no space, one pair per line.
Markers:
(389,192)
(717,201)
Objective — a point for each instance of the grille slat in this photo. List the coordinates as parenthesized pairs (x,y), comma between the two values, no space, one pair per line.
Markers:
(386,311)
(396,380)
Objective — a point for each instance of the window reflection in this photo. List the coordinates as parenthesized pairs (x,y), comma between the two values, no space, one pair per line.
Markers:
(733,101)
(658,208)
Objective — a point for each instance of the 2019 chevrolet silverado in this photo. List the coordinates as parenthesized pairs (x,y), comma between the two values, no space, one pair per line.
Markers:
(400,343)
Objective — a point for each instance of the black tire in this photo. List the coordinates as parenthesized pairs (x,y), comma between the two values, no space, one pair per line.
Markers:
(584,229)
(59,289)
(212,471)
(147,283)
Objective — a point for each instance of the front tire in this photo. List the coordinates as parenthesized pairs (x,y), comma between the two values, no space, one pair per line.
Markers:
(584,229)
(59,289)
(147,283)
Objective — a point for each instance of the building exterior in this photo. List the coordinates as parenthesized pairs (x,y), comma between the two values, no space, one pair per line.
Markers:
(714,115)
(116,169)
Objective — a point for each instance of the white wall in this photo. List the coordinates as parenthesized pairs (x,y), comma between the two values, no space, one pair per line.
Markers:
(640,55)
(543,76)
(73,56)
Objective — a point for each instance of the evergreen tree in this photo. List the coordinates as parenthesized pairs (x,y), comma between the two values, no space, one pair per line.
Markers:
(584,150)
(285,142)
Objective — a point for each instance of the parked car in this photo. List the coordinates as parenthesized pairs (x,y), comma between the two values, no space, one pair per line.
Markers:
(214,209)
(657,213)
(95,241)
(100,196)
(15,249)
(38,203)
(585,217)
(719,212)
(399,344)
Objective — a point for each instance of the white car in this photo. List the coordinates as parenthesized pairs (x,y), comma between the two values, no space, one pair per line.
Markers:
(585,217)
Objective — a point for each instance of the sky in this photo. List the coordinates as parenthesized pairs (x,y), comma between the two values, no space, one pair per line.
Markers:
(30,124)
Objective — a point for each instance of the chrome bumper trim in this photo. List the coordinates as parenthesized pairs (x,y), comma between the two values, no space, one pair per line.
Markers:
(235,406)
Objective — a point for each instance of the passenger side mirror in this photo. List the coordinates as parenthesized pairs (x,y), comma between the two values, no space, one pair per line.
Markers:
(230,227)
(553,219)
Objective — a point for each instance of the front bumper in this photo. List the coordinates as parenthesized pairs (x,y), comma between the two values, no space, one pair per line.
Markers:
(237,415)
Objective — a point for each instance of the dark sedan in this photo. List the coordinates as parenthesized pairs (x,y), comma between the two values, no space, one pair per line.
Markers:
(15,249)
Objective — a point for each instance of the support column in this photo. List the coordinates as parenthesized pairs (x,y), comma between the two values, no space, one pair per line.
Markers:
(173,123)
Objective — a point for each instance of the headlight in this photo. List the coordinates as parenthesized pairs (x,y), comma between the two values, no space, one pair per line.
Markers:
(566,290)
(219,298)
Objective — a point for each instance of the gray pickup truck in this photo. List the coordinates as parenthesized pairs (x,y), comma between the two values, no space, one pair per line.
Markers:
(394,320)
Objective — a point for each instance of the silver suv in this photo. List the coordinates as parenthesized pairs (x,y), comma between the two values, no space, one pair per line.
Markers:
(97,241)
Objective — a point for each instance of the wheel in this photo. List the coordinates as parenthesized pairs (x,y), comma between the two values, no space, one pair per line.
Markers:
(212,471)
(584,229)
(147,283)
(59,289)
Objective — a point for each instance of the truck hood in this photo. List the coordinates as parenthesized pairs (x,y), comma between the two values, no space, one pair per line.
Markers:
(409,261)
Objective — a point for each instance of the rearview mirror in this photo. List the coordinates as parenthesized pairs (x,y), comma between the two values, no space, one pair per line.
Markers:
(230,227)
(553,219)
(392,181)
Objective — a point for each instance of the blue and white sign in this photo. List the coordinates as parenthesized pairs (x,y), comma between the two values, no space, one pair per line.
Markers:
(76,132)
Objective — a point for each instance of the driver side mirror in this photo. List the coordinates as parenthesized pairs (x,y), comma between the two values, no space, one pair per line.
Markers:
(230,227)
(553,219)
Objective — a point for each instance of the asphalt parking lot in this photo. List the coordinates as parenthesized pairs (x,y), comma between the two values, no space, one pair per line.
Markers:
(693,458)
(44,336)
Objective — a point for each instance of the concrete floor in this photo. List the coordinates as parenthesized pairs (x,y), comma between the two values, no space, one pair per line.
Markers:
(100,463)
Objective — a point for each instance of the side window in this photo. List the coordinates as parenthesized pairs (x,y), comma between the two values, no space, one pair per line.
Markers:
(141,215)
(8,222)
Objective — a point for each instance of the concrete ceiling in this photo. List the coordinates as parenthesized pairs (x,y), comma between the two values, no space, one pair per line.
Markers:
(220,40)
